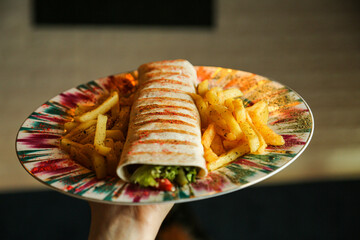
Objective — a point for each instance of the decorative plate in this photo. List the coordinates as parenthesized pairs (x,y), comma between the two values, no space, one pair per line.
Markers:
(38,149)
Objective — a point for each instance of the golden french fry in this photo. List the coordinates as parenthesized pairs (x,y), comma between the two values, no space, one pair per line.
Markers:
(84,134)
(80,129)
(77,155)
(232,93)
(215,117)
(221,97)
(118,147)
(116,135)
(66,144)
(122,121)
(225,134)
(84,107)
(118,124)
(217,145)
(202,106)
(87,150)
(228,157)
(229,119)
(209,155)
(101,149)
(115,110)
(239,110)
(259,112)
(251,136)
(89,139)
(229,104)
(101,109)
(99,165)
(262,142)
(109,142)
(208,136)
(203,87)
(68,126)
(231,144)
(269,135)
(212,96)
(127,101)
(263,145)
(124,113)
(100,135)
(112,160)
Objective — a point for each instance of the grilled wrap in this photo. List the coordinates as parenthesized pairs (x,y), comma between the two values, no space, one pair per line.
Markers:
(164,128)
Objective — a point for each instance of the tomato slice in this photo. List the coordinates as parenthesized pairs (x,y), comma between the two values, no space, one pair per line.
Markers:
(164,184)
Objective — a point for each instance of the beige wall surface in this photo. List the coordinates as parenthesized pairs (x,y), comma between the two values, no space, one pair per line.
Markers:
(311,46)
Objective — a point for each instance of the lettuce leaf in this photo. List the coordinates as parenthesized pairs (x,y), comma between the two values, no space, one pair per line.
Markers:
(147,175)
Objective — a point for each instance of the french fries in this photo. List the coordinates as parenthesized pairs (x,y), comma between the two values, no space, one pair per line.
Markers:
(228,144)
(99,164)
(101,109)
(66,144)
(251,136)
(111,157)
(229,130)
(210,156)
(122,120)
(231,123)
(83,159)
(228,157)
(239,110)
(217,145)
(269,135)
(203,88)
(116,135)
(95,137)
(232,93)
(212,96)
(208,136)
(259,112)
(68,126)
(100,136)
(78,130)
(202,106)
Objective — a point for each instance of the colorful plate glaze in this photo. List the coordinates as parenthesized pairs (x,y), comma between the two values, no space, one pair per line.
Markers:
(38,142)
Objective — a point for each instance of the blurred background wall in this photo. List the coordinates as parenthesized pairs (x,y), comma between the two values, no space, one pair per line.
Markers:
(311,46)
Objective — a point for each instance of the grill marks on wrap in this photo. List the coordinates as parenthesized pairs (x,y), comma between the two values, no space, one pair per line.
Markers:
(157,73)
(168,67)
(162,153)
(147,132)
(165,108)
(165,81)
(167,141)
(165,99)
(170,121)
(167,113)
(173,90)
(149,107)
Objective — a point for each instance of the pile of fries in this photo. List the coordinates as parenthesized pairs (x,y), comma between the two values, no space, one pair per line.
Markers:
(229,130)
(96,136)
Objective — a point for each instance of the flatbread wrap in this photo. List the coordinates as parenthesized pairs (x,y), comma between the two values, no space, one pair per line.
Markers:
(164,135)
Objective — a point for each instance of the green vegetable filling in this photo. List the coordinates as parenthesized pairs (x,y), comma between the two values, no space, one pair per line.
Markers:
(146,175)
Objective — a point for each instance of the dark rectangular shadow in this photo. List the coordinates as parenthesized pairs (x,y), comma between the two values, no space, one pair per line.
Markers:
(192,13)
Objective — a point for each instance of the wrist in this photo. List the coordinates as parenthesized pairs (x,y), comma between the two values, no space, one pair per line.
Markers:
(126,222)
